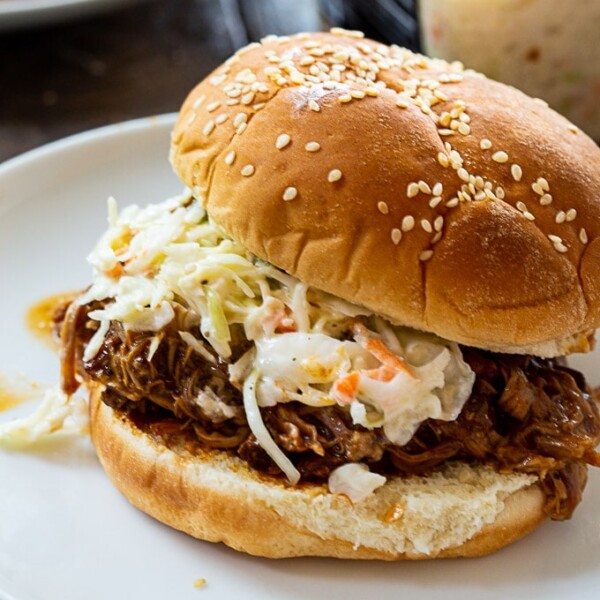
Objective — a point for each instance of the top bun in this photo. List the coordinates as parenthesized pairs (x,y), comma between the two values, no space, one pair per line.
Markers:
(429,194)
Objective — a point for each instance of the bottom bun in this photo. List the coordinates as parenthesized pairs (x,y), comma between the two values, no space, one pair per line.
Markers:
(460,511)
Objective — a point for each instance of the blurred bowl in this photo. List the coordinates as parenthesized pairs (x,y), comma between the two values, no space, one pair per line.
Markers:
(21,14)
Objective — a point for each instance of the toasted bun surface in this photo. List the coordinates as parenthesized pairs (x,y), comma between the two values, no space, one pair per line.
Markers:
(469,210)
(215,497)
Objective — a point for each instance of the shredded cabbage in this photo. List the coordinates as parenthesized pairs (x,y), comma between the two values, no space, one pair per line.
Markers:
(58,413)
(355,481)
(172,255)
(260,431)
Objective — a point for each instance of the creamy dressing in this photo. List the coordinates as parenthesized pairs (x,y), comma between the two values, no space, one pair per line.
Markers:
(309,346)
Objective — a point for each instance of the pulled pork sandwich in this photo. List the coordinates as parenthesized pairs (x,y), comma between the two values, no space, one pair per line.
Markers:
(346,337)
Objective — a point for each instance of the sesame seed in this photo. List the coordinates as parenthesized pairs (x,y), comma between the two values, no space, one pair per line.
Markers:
(445,119)
(191,119)
(218,80)
(239,119)
(424,187)
(297,78)
(452,203)
(463,174)
(528,216)
(372,91)
(311,44)
(305,61)
(446,132)
(521,206)
(412,189)
(516,172)
(208,128)
(438,223)
(437,237)
(344,98)
(455,159)
(481,195)
(443,159)
(282,141)
(573,128)
(347,32)
(313,105)
(435,201)
(358,94)
(232,102)
(560,248)
(334,175)
(500,156)
(383,208)
(221,119)
(247,171)
(544,184)
(560,217)
(402,103)
(426,225)
(230,157)
(464,129)
(555,239)
(571,214)
(312,147)
(396,236)
(485,144)
(437,189)
(537,188)
(408,223)
(583,236)
(212,106)
(198,102)
(546,199)
(500,193)
(241,128)
(425,255)
(248,98)
(289,193)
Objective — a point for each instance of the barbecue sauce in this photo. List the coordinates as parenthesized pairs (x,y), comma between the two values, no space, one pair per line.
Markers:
(41,317)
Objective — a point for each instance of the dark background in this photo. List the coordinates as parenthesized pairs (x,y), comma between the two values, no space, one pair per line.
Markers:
(141,60)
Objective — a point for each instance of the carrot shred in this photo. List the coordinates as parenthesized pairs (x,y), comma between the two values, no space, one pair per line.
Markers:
(385,356)
(383,373)
(345,388)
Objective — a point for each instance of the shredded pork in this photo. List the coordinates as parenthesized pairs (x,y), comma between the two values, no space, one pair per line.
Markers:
(525,414)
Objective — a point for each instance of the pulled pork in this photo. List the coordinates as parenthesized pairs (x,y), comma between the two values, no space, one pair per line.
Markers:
(525,414)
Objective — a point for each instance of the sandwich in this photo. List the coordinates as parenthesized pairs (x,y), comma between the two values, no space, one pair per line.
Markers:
(346,337)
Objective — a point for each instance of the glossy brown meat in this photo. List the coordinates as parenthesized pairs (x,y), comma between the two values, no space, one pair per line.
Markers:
(525,414)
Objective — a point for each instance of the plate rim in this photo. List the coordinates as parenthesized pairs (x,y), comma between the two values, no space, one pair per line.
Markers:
(85,137)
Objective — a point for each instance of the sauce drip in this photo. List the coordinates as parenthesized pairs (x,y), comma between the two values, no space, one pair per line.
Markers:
(13,394)
(40,317)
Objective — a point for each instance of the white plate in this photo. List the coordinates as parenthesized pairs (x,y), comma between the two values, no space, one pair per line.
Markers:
(15,14)
(66,533)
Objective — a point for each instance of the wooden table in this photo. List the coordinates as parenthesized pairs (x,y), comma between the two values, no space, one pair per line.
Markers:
(134,62)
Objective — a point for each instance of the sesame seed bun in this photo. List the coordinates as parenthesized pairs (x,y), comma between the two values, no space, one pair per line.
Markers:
(462,511)
(438,198)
